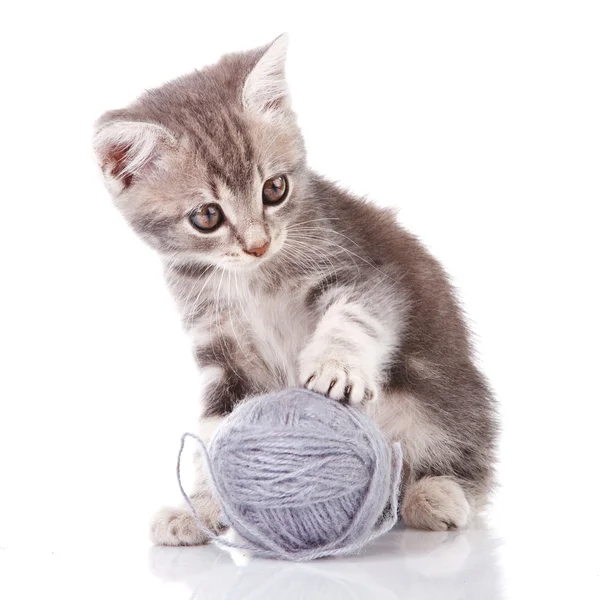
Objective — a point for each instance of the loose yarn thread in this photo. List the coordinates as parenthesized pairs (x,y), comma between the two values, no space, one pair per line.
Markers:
(299,477)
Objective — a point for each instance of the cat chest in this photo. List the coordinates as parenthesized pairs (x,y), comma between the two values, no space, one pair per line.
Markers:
(278,327)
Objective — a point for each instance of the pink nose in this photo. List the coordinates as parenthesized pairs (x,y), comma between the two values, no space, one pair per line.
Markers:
(258,251)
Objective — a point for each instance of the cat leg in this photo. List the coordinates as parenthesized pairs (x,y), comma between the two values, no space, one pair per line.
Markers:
(448,455)
(435,503)
(346,353)
(176,526)
(225,385)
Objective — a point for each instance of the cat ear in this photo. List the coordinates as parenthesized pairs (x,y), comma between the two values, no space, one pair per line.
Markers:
(265,89)
(127,150)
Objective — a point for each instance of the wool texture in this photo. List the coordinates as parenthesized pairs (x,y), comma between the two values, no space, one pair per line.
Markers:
(299,476)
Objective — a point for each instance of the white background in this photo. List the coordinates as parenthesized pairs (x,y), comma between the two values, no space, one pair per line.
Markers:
(479,120)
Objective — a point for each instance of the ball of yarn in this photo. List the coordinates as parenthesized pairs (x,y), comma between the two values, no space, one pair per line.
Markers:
(300,476)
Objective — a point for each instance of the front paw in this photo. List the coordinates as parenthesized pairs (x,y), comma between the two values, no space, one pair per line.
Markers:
(178,527)
(338,375)
(435,503)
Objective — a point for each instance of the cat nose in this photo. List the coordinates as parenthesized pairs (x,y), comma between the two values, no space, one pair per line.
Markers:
(258,250)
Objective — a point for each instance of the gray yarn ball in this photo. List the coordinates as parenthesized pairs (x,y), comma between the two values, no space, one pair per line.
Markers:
(300,476)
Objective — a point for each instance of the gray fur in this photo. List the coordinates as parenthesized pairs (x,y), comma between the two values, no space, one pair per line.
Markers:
(344,269)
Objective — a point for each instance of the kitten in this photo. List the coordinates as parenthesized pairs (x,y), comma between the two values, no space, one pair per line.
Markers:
(283,279)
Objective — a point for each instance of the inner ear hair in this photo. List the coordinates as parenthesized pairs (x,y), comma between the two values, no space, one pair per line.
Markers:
(265,89)
(117,161)
(130,149)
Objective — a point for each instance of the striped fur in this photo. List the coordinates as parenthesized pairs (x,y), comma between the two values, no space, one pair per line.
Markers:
(345,301)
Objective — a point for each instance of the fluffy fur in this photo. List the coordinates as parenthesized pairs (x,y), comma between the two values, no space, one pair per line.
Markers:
(344,301)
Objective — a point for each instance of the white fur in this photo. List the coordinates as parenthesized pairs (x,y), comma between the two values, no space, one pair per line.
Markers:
(208,427)
(141,137)
(266,83)
(342,354)
(271,327)
(201,337)
(400,418)
(212,374)
(177,526)
(280,326)
(435,503)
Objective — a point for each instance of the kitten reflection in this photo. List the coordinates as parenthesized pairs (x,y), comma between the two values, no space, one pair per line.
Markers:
(402,564)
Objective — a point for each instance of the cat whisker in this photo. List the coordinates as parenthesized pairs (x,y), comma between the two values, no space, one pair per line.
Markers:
(220,330)
(308,242)
(236,314)
(309,252)
(321,229)
(310,248)
(314,268)
(313,221)
(245,303)
(300,261)
(195,304)
(368,262)
(300,258)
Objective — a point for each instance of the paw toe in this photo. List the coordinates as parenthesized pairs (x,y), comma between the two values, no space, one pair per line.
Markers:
(435,503)
(176,527)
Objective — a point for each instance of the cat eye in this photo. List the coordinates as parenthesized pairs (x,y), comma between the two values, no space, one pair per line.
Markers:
(207,218)
(275,190)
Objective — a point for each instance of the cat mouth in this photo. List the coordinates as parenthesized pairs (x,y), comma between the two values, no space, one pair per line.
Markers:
(247,263)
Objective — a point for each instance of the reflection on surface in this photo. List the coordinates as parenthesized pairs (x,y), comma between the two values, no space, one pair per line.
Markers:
(402,564)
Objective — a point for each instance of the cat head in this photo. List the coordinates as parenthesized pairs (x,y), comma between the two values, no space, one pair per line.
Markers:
(210,167)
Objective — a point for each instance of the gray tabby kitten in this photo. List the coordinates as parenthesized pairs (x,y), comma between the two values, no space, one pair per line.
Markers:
(283,279)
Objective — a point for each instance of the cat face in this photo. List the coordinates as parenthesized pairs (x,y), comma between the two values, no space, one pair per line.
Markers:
(210,167)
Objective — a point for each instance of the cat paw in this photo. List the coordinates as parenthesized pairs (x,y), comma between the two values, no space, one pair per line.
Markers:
(435,503)
(178,527)
(337,376)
